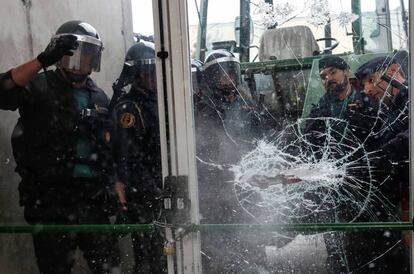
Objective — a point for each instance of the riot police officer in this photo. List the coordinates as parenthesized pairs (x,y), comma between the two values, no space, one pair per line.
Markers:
(61,147)
(138,156)
(226,126)
(384,80)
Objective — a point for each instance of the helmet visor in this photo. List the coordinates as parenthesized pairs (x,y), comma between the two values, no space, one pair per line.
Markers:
(145,67)
(223,72)
(86,58)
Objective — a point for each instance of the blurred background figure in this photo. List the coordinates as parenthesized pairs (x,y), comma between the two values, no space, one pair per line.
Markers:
(227,127)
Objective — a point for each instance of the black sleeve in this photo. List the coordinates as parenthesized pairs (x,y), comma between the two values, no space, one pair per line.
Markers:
(127,141)
(321,109)
(397,149)
(10,93)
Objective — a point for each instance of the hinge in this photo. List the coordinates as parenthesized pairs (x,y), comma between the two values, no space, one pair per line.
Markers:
(176,200)
(162,54)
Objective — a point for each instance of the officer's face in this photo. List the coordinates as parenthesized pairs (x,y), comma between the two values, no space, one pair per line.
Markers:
(334,80)
(377,88)
(147,80)
(74,77)
(226,81)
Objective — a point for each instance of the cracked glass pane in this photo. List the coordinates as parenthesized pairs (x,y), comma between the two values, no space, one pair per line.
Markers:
(301,118)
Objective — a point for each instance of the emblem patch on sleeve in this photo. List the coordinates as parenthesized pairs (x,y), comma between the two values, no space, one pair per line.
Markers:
(127,120)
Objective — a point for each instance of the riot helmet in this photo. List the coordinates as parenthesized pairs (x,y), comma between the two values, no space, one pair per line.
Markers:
(87,57)
(222,70)
(196,76)
(141,59)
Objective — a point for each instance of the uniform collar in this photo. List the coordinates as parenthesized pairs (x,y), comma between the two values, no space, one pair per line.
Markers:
(144,93)
(89,84)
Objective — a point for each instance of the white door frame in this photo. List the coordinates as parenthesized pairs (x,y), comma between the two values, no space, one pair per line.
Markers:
(175,107)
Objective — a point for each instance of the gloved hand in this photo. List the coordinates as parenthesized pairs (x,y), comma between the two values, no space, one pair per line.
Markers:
(58,48)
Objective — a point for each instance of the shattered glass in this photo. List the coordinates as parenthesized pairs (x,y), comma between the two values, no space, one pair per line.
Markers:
(292,177)
(265,158)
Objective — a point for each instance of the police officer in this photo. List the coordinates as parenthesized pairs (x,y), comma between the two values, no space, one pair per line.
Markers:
(384,80)
(61,147)
(384,252)
(226,126)
(334,73)
(340,96)
(138,156)
(348,116)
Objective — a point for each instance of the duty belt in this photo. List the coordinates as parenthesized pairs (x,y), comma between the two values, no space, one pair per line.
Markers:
(93,113)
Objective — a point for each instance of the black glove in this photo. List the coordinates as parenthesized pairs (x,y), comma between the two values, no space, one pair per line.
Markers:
(58,48)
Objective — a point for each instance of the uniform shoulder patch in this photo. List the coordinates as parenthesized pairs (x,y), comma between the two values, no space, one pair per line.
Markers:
(127,120)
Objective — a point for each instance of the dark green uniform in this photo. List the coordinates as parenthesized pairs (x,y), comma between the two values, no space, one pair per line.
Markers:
(61,145)
(225,131)
(366,251)
(138,165)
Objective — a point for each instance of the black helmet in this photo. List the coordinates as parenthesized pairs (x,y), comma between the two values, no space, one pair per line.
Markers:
(196,75)
(379,64)
(141,58)
(222,70)
(87,57)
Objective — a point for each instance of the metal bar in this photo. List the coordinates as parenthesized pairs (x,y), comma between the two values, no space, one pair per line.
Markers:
(388,24)
(125,228)
(121,228)
(289,63)
(202,31)
(356,28)
(404,18)
(399,226)
(328,34)
(244,42)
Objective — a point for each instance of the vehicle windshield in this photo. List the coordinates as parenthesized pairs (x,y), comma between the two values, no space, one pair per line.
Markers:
(365,27)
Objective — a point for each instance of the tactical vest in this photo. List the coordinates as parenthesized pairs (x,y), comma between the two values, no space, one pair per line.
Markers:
(145,131)
(44,138)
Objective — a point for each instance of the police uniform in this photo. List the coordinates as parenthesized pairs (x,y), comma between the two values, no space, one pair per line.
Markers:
(63,158)
(377,251)
(388,152)
(138,165)
(225,131)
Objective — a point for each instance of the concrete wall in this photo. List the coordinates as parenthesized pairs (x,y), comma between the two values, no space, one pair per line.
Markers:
(26,28)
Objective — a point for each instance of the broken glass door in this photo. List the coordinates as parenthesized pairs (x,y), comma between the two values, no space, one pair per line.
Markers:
(301,113)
